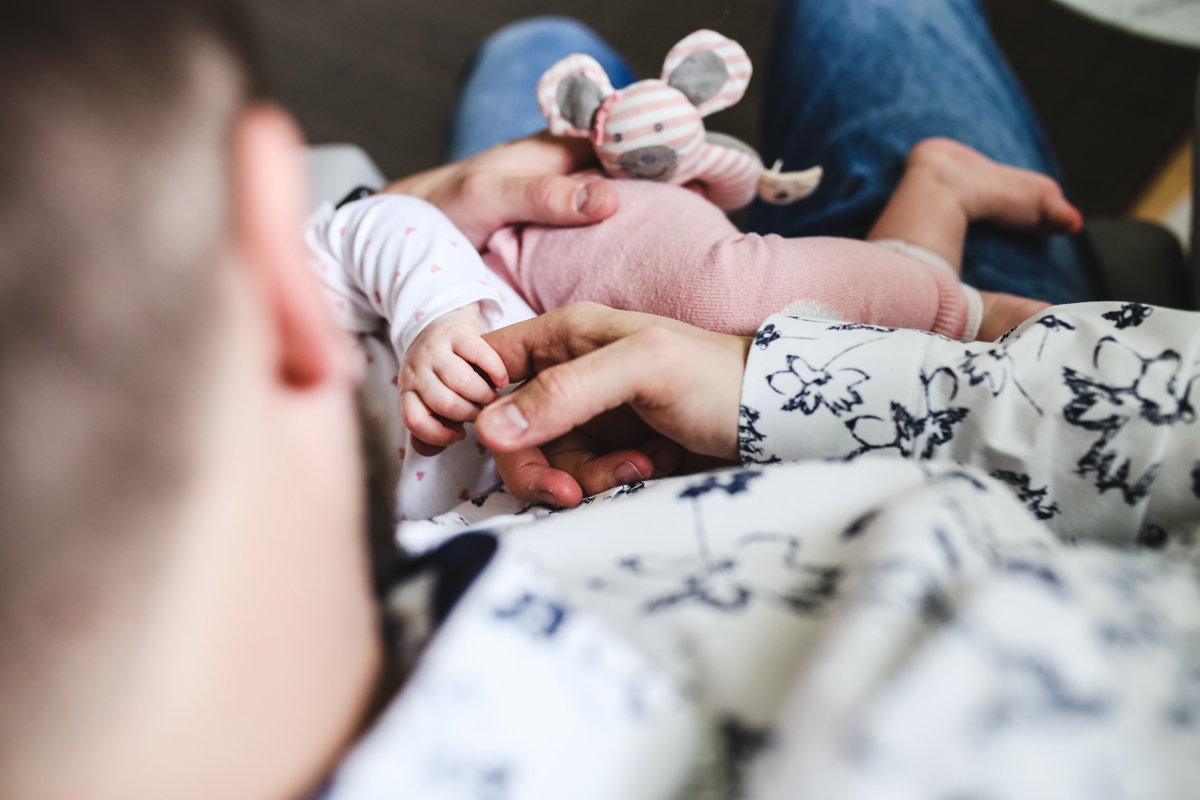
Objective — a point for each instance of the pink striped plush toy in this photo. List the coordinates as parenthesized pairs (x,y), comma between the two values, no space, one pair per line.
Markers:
(652,130)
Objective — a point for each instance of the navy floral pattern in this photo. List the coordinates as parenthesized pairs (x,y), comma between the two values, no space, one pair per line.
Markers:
(1134,393)
(975,574)
(798,629)
(1129,315)
(1087,403)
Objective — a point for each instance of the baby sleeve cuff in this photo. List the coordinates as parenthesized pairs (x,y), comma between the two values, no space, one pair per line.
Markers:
(960,307)
(920,253)
(974,313)
(405,333)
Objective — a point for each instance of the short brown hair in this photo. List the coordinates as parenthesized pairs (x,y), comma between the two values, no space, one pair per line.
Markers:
(114,207)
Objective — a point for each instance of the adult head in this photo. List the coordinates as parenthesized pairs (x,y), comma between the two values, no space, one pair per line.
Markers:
(184,602)
(184,607)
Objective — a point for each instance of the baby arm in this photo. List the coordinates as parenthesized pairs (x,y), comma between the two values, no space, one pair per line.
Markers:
(397,261)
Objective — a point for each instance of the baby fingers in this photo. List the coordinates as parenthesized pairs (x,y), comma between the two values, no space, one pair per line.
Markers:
(458,376)
(444,401)
(477,352)
(425,424)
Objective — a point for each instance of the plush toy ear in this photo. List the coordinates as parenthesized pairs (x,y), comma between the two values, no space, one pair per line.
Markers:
(570,94)
(711,69)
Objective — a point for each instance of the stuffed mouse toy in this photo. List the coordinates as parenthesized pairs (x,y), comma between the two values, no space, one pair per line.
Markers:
(653,130)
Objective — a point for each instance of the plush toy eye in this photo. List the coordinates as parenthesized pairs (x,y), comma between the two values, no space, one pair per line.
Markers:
(618,137)
(658,127)
(647,158)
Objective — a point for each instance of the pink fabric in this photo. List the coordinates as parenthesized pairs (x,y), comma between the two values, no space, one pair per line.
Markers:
(668,251)
(602,118)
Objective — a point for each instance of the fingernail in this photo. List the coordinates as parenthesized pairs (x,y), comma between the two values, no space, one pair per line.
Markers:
(506,422)
(589,197)
(626,473)
(548,498)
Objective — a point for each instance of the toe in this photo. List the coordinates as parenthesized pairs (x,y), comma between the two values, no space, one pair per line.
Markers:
(1058,215)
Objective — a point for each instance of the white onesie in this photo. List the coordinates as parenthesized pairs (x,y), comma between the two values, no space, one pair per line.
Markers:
(390,265)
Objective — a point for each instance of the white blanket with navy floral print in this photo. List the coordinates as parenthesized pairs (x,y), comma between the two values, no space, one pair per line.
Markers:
(985,586)
(1086,411)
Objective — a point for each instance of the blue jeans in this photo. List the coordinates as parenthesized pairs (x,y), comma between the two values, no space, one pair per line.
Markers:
(851,85)
(498,100)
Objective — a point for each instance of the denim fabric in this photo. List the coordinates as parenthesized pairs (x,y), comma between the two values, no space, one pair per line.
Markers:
(851,85)
(498,101)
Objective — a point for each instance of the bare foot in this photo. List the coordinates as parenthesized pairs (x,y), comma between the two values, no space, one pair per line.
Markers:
(1011,197)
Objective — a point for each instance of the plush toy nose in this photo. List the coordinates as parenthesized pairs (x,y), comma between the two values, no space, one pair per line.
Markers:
(655,163)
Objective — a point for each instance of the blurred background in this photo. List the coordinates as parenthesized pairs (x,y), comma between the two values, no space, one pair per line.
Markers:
(382,74)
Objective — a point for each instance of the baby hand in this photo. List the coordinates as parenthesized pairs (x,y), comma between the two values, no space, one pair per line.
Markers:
(1003,312)
(440,388)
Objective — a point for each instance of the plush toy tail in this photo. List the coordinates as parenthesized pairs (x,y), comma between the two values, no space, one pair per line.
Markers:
(780,188)
(731,174)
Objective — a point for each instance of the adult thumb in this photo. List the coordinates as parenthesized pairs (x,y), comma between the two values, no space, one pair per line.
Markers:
(566,395)
(558,200)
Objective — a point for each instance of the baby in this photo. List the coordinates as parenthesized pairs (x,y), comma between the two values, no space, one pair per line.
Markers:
(395,262)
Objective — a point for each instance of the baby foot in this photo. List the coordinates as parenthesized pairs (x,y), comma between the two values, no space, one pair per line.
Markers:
(1011,197)
(1003,312)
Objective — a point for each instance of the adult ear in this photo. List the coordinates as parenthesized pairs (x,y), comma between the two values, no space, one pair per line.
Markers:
(571,92)
(271,190)
(711,69)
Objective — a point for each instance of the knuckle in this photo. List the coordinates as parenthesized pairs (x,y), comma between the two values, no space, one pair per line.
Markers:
(559,384)
(440,406)
(458,410)
(477,348)
(656,339)
(476,188)
(415,361)
(472,347)
(465,384)
(587,308)
(662,350)
(458,383)
(542,192)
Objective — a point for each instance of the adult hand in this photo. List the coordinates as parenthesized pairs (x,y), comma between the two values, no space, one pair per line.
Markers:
(529,180)
(585,363)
